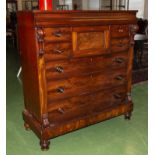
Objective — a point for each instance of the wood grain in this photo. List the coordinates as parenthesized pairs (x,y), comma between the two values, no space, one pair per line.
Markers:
(82,84)
(80,66)
(76,68)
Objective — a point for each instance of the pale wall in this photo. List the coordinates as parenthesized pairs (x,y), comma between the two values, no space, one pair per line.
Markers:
(146,9)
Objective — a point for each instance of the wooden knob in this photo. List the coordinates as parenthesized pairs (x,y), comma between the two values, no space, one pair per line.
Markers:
(57,51)
(59,69)
(61,110)
(60,90)
(57,34)
(117,96)
(120,30)
(119,60)
(119,77)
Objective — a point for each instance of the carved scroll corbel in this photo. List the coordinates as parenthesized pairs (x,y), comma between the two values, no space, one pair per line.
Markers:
(128,98)
(45,121)
(40,39)
(133,29)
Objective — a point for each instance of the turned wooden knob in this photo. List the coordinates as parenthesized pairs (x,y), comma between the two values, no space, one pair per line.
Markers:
(119,60)
(60,90)
(61,110)
(120,30)
(57,34)
(117,96)
(59,69)
(119,77)
(57,51)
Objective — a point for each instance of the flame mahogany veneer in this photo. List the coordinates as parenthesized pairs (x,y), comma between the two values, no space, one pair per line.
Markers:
(76,68)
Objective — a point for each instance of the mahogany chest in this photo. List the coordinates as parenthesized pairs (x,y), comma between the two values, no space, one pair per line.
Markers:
(76,68)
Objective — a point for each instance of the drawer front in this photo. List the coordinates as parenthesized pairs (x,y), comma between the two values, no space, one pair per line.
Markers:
(93,40)
(118,31)
(74,67)
(118,45)
(79,106)
(57,34)
(64,88)
(54,51)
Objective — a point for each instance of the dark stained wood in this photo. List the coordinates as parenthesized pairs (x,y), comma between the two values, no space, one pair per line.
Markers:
(118,31)
(76,68)
(81,66)
(111,97)
(57,51)
(84,43)
(28,52)
(57,34)
(84,84)
(56,130)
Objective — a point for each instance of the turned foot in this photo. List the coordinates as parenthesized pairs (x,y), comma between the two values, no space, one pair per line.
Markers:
(44,145)
(127,116)
(27,127)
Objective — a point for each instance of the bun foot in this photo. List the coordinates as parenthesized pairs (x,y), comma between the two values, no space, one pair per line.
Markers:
(27,127)
(127,116)
(44,145)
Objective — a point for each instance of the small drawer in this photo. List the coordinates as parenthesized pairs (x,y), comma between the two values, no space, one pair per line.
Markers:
(54,51)
(118,31)
(120,60)
(120,41)
(57,34)
(118,45)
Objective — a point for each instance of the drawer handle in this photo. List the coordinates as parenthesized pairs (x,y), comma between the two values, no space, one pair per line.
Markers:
(119,60)
(57,34)
(119,77)
(59,69)
(117,96)
(57,51)
(120,30)
(61,110)
(60,90)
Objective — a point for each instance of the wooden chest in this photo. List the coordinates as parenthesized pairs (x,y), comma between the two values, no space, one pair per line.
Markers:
(76,68)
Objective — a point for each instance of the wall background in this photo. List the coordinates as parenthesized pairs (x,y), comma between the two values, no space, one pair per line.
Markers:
(140,5)
(146,9)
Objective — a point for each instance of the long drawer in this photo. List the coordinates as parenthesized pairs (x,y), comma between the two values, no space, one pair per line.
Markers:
(64,88)
(66,68)
(83,105)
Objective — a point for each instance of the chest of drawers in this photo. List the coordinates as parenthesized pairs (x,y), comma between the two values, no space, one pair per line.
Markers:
(76,68)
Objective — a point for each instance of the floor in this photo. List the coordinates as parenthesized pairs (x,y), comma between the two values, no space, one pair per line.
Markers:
(112,137)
